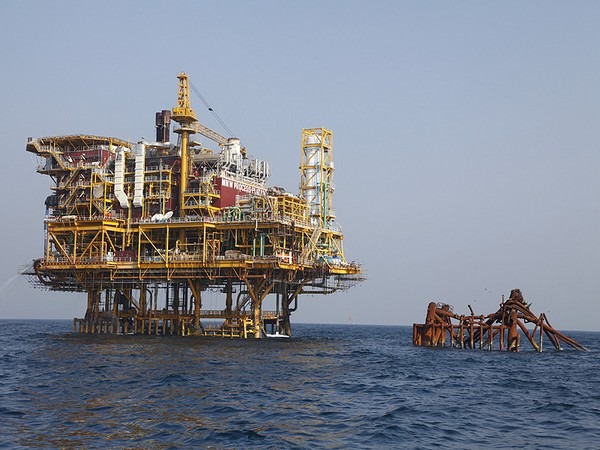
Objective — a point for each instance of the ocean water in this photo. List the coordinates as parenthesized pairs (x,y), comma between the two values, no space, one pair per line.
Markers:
(340,386)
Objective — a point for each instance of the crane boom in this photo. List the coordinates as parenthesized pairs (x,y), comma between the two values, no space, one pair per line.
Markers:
(207,132)
(184,114)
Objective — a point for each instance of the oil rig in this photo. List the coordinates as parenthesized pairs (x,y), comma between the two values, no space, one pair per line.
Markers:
(148,230)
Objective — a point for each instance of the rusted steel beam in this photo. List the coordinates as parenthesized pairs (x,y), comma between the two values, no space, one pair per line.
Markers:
(467,331)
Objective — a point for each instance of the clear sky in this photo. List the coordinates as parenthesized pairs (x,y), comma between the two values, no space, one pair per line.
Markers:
(466,137)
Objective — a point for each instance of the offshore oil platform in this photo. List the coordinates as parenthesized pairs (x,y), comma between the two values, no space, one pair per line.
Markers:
(147,229)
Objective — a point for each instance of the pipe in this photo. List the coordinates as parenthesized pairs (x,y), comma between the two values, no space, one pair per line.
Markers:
(184,171)
(163,125)
(140,162)
(120,178)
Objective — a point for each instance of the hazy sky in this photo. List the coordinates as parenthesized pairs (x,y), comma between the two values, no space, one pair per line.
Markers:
(466,137)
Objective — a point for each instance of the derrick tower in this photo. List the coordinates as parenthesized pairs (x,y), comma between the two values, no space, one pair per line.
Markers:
(184,238)
(316,178)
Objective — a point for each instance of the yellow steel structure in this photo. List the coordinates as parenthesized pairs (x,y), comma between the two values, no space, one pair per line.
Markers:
(183,112)
(185,116)
(316,188)
(145,238)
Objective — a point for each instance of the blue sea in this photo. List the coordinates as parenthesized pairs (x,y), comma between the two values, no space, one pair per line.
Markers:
(330,386)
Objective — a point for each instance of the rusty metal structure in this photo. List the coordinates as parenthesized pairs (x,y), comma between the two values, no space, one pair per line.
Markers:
(177,238)
(501,330)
